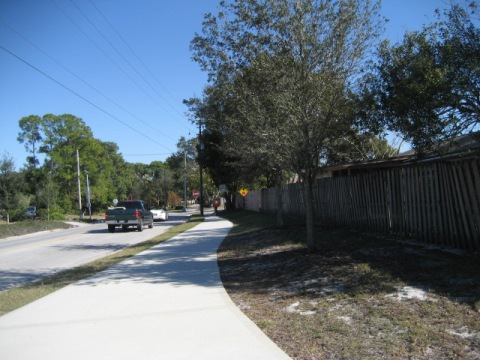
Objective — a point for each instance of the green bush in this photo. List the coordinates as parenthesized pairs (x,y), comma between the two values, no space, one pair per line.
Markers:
(57,216)
(42,214)
(54,214)
(17,214)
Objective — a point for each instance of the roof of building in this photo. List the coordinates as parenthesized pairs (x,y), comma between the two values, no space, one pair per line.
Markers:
(461,146)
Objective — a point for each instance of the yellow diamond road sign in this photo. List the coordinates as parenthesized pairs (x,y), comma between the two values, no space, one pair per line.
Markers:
(243,192)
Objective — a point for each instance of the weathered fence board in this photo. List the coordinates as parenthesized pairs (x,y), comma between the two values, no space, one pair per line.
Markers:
(436,202)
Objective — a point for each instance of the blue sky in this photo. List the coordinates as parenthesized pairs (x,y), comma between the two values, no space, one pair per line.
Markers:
(141,80)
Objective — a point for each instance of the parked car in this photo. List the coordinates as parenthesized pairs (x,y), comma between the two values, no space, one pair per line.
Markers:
(159,214)
(31,211)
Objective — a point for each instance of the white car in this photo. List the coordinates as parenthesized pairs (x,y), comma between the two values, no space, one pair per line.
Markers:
(159,214)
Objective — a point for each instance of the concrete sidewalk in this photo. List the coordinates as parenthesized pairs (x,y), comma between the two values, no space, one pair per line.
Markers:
(165,303)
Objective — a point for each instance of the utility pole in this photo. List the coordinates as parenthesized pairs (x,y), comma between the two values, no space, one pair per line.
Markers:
(165,187)
(87,195)
(78,185)
(185,180)
(200,157)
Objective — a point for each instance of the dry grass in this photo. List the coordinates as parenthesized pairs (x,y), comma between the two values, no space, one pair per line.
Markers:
(358,297)
(29,226)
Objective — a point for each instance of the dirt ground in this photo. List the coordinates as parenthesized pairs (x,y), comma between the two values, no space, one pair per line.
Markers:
(357,297)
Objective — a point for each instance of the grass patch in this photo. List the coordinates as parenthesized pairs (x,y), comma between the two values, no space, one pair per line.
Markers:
(17,297)
(29,226)
(360,296)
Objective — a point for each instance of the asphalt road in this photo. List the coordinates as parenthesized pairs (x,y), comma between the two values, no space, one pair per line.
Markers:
(31,257)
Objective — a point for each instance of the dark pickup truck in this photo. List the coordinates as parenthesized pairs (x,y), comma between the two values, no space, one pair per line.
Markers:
(129,213)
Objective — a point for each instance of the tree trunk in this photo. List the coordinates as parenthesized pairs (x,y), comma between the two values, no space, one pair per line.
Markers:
(230,199)
(310,218)
(279,201)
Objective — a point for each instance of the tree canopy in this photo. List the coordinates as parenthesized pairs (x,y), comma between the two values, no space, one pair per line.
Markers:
(283,72)
(427,87)
(52,186)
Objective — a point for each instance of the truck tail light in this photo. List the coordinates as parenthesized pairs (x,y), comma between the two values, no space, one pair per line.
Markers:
(137,214)
(106,216)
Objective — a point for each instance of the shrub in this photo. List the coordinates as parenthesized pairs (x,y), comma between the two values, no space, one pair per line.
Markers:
(16,214)
(54,214)
(57,216)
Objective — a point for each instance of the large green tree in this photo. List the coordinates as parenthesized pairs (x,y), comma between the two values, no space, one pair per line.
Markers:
(31,137)
(160,184)
(220,163)
(117,175)
(309,52)
(427,87)
(108,176)
(459,48)
(54,184)
(59,137)
(48,195)
(358,147)
(12,193)
(71,135)
(183,163)
(223,167)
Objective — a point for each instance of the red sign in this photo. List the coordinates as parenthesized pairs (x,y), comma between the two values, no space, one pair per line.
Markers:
(195,193)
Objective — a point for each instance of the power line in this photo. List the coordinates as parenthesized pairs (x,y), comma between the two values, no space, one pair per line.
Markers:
(81,97)
(146,154)
(137,57)
(120,54)
(79,28)
(83,81)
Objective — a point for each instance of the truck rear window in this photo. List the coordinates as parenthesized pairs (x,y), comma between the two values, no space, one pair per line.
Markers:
(129,204)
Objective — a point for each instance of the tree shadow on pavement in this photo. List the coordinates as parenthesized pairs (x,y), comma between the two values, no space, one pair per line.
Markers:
(189,258)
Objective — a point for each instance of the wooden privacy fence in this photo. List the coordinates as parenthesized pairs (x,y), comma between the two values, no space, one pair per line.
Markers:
(435,202)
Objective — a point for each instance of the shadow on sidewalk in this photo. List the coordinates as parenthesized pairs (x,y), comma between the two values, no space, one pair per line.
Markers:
(188,258)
